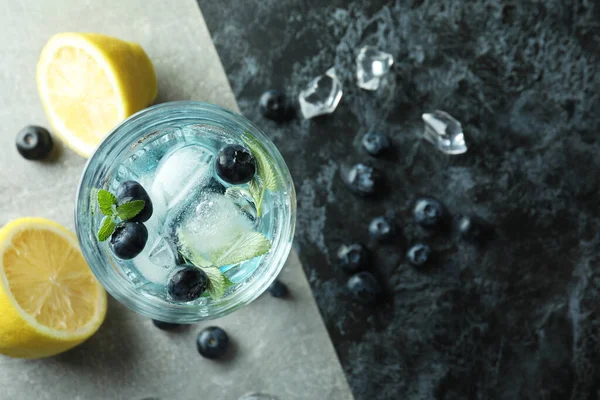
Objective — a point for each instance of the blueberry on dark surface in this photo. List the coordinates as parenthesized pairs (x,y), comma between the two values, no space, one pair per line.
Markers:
(132,190)
(34,142)
(381,228)
(235,164)
(273,105)
(429,213)
(474,228)
(419,254)
(187,284)
(376,143)
(353,258)
(165,326)
(212,342)
(364,179)
(128,240)
(364,287)
(278,289)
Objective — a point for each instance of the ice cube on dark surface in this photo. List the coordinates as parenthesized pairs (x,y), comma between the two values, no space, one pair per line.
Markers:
(321,96)
(371,65)
(444,132)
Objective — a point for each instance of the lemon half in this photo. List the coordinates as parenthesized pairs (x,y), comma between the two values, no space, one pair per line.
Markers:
(89,83)
(50,301)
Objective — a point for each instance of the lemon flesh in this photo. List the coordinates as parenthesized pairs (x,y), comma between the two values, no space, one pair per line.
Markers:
(50,300)
(89,83)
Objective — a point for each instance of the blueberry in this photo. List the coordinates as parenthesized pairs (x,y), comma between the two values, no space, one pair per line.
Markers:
(128,240)
(364,179)
(364,287)
(273,105)
(132,190)
(353,258)
(474,228)
(376,143)
(34,142)
(235,164)
(429,213)
(187,284)
(381,228)
(212,342)
(165,326)
(278,289)
(419,254)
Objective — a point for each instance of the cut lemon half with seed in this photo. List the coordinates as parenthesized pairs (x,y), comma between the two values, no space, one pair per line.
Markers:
(50,301)
(89,83)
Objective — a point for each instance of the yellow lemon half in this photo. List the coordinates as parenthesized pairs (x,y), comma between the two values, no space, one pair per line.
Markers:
(89,83)
(50,301)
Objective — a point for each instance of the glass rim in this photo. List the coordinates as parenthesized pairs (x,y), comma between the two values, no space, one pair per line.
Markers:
(96,174)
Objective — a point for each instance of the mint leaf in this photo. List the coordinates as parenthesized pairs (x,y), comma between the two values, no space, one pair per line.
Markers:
(216,289)
(106,228)
(106,200)
(255,190)
(247,246)
(130,209)
(228,282)
(257,193)
(216,282)
(265,171)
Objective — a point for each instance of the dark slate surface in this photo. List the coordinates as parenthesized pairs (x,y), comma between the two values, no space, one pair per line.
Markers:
(516,318)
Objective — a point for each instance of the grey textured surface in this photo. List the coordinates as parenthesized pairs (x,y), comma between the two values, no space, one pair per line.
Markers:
(279,346)
(516,319)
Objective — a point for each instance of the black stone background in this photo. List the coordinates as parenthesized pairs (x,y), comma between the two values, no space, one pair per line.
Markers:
(514,319)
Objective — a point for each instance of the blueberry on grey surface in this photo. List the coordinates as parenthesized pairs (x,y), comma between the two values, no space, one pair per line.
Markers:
(165,326)
(128,240)
(429,212)
(364,180)
(376,143)
(381,228)
(235,164)
(34,142)
(187,284)
(353,258)
(132,190)
(212,342)
(278,289)
(419,254)
(474,228)
(273,104)
(364,287)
